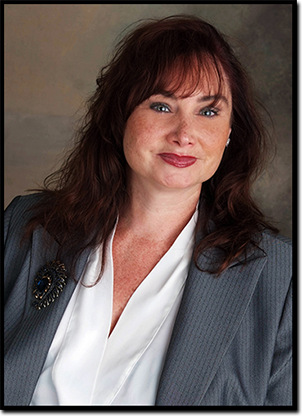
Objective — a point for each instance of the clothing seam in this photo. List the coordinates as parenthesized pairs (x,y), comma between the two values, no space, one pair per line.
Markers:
(281,369)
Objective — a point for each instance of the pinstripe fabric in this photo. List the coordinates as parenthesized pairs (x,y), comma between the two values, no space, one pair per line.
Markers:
(231,343)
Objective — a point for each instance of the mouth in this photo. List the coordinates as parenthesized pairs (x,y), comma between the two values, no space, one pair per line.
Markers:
(178,161)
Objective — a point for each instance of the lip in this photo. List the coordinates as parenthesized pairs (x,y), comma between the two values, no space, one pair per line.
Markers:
(177,160)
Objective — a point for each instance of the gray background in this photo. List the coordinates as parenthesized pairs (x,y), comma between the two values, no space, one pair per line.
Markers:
(54,52)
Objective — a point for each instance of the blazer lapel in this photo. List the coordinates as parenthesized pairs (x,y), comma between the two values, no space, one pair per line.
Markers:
(38,327)
(209,316)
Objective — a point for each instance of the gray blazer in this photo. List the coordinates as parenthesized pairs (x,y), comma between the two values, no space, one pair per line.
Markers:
(231,344)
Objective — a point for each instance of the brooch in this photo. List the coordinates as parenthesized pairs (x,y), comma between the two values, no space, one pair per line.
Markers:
(49,283)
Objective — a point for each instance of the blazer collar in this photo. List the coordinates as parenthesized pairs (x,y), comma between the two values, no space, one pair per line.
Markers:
(210,313)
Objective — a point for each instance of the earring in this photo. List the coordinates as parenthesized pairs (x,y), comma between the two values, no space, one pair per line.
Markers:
(228,142)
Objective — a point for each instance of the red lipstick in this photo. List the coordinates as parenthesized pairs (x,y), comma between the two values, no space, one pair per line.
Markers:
(178,161)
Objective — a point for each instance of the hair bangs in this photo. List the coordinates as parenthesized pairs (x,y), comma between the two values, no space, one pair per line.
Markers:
(188,75)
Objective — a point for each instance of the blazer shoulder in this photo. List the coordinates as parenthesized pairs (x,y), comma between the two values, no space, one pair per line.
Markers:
(18,212)
(276,244)
(22,202)
(278,268)
(278,238)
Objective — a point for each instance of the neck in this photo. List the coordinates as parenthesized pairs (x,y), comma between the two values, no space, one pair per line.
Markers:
(157,212)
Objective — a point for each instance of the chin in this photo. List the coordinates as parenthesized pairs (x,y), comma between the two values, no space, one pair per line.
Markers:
(179,184)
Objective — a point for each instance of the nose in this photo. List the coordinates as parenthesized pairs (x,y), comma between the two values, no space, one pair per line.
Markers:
(182,133)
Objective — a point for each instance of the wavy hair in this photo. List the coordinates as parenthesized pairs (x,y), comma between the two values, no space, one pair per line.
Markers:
(80,202)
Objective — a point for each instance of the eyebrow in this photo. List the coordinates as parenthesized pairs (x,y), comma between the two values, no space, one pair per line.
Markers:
(217,97)
(205,98)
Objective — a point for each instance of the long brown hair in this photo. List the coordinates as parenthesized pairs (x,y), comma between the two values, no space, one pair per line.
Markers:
(80,202)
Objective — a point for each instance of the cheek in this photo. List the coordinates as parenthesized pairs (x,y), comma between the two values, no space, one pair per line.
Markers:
(130,136)
(138,137)
(214,147)
(129,147)
(216,139)
(134,141)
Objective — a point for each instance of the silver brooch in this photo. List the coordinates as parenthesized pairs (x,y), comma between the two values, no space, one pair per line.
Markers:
(49,283)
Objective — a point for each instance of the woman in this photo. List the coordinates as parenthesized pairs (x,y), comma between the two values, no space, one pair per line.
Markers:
(143,272)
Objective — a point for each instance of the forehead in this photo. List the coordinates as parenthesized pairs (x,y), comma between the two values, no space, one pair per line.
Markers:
(207,78)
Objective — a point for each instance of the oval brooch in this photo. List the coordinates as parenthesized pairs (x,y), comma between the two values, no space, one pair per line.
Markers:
(49,283)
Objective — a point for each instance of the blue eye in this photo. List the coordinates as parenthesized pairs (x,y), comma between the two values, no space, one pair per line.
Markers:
(209,112)
(160,107)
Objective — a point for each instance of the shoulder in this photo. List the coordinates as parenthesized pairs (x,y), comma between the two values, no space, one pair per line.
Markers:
(276,240)
(278,250)
(18,213)
(22,202)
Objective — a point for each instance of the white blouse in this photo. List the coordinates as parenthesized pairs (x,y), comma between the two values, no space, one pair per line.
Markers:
(86,366)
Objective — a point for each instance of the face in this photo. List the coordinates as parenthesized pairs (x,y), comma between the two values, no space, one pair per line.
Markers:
(172,142)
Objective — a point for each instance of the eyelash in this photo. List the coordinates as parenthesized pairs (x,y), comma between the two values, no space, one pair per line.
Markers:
(156,106)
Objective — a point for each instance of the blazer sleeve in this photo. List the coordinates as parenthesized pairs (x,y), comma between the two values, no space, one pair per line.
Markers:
(279,391)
